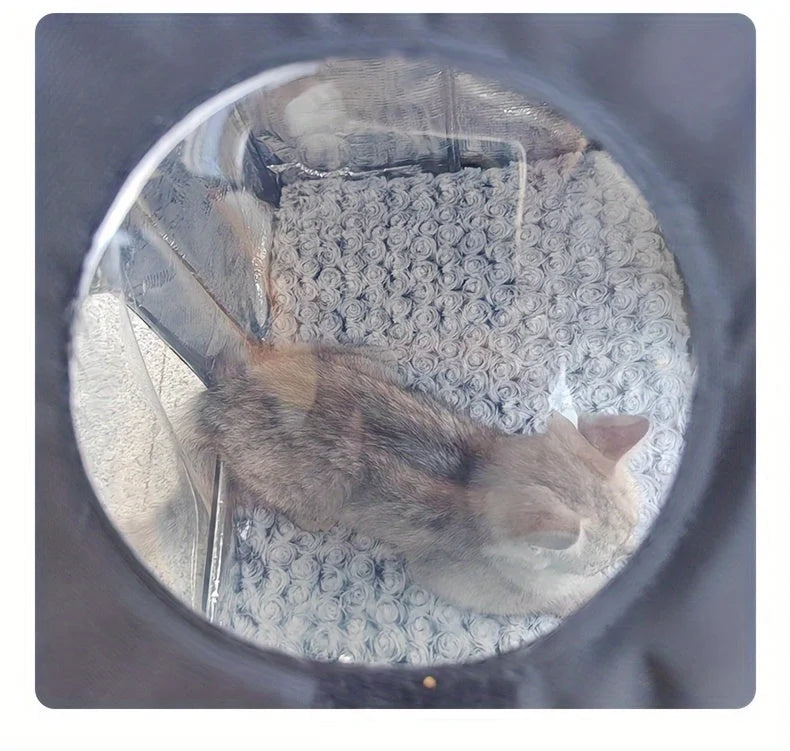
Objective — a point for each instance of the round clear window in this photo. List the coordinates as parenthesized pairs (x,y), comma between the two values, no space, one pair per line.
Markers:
(377,362)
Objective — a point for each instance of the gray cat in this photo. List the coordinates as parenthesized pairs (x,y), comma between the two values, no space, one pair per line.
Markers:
(496,523)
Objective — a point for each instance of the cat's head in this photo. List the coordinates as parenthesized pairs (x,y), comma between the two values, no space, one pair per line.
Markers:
(565,499)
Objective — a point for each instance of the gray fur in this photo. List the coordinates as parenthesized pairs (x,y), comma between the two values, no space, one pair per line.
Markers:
(497,523)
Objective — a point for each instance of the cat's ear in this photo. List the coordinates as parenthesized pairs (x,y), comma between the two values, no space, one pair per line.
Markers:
(540,518)
(613,435)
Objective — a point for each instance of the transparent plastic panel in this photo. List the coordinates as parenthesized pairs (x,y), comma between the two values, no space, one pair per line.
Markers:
(390,115)
(126,387)
(356,116)
(472,242)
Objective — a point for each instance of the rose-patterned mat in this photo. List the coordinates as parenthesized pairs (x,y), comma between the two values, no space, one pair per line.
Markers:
(486,287)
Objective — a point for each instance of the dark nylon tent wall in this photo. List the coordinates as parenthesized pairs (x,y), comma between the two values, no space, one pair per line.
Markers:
(672,99)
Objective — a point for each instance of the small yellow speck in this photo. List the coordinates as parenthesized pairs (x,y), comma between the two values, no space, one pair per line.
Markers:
(429,681)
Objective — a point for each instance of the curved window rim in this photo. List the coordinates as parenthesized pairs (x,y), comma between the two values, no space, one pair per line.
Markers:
(687,243)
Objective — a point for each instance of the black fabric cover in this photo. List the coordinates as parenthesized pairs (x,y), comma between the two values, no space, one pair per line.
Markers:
(672,98)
